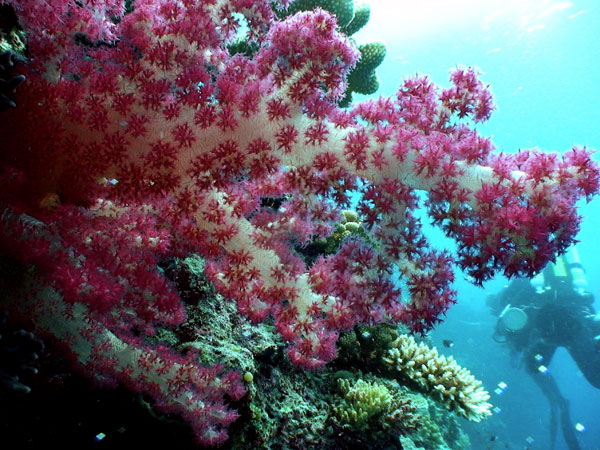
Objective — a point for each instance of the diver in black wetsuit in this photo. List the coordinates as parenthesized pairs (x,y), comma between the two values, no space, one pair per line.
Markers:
(551,310)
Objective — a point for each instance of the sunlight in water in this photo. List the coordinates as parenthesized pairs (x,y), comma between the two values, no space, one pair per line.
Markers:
(411,20)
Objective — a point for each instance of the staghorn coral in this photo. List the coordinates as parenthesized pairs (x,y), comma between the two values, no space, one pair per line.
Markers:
(440,377)
(362,401)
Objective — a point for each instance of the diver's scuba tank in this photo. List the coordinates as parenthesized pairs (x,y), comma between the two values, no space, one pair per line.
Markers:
(578,279)
(538,283)
(566,272)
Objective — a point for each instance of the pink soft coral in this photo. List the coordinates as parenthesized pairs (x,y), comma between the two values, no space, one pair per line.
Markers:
(158,142)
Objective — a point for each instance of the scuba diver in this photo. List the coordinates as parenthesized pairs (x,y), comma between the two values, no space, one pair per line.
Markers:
(535,317)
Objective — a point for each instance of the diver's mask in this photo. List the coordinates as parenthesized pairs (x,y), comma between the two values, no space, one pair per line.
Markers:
(513,319)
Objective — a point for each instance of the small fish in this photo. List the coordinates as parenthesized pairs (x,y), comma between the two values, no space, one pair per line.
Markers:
(448,343)
(493,438)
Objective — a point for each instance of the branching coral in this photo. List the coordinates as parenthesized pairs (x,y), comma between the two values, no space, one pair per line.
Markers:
(442,378)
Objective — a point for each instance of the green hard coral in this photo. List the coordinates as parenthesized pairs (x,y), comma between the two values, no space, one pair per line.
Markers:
(363,78)
(362,14)
(371,56)
(362,403)
(372,410)
(342,9)
(348,226)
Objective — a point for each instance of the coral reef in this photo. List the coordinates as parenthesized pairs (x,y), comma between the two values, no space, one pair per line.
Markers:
(284,407)
(142,138)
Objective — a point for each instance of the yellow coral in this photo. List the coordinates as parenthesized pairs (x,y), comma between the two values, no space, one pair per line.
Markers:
(440,377)
(362,400)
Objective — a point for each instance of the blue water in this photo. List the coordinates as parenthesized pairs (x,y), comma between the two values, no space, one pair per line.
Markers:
(542,61)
